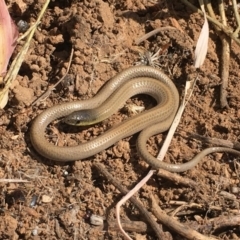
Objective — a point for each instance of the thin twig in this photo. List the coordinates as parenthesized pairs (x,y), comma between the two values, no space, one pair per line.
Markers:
(225,59)
(177,179)
(184,205)
(47,93)
(176,226)
(218,223)
(130,226)
(225,55)
(160,234)
(5,180)
(155,31)
(214,141)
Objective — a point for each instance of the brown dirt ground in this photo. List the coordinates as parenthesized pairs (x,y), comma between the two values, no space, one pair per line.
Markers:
(58,198)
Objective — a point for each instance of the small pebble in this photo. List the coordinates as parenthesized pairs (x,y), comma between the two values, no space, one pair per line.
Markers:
(46,199)
(35,232)
(33,201)
(234,189)
(22,26)
(96,220)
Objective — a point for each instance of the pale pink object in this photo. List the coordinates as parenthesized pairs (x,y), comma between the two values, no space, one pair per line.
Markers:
(8,37)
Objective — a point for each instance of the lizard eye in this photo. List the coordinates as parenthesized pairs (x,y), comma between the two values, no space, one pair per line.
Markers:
(79,118)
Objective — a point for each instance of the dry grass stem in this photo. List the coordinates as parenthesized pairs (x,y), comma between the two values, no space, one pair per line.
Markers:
(5,180)
(16,64)
(189,87)
(228,31)
(237,17)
